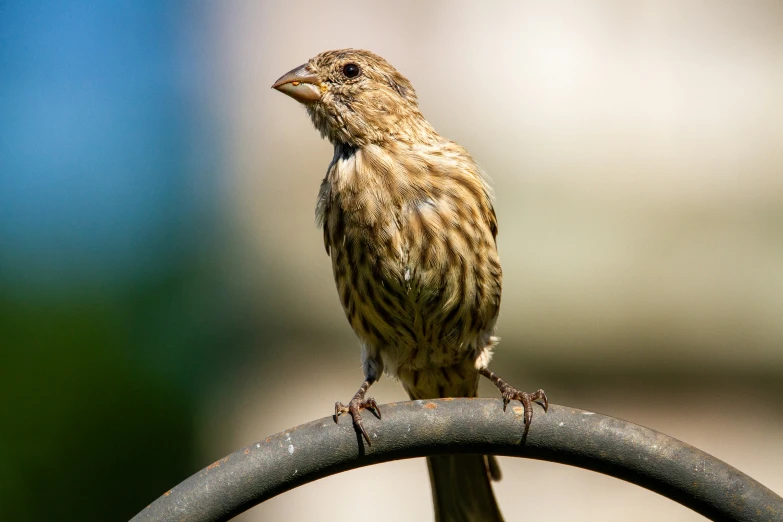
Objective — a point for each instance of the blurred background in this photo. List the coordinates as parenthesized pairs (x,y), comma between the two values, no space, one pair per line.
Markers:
(162,283)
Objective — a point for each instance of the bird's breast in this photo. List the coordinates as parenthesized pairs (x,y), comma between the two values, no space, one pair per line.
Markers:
(415,265)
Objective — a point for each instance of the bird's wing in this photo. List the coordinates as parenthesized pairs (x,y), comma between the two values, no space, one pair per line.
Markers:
(322,208)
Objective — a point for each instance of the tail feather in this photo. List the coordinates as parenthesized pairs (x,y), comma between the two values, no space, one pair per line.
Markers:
(493,468)
(461,491)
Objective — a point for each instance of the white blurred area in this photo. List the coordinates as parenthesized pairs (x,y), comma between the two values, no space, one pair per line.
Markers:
(636,149)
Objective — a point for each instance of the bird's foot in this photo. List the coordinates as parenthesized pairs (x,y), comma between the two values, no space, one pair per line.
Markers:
(509,393)
(357,404)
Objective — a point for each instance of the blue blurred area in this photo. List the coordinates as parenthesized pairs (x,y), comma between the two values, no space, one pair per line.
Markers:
(110,307)
(97,129)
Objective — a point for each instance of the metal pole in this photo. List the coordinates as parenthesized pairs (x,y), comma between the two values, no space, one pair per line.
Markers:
(580,438)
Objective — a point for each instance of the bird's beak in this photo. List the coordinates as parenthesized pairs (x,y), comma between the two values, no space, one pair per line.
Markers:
(300,84)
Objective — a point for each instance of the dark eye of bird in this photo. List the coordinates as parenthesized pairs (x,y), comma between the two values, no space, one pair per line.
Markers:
(351,70)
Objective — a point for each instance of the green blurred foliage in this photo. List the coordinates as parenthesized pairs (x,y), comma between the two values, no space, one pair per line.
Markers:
(91,433)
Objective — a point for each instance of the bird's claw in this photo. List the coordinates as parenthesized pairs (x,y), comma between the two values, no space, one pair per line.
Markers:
(509,393)
(354,407)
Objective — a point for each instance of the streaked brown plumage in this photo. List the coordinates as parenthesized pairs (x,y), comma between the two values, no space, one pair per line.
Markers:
(409,225)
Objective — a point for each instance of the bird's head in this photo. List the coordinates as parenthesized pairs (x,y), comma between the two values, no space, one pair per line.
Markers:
(356,98)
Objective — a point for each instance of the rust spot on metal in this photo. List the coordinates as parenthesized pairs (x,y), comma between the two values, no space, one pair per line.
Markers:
(217,463)
(247,451)
(447,399)
(430,405)
(519,410)
(268,439)
(166,494)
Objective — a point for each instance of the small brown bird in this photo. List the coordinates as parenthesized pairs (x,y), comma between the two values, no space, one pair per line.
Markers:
(408,222)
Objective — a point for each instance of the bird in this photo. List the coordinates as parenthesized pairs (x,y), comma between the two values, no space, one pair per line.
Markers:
(409,224)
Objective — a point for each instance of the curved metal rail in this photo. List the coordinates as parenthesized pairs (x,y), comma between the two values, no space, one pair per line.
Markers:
(580,438)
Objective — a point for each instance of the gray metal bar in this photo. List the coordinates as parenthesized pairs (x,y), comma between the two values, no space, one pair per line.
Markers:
(588,440)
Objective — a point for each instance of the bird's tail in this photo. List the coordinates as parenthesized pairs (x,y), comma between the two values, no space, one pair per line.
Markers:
(461,491)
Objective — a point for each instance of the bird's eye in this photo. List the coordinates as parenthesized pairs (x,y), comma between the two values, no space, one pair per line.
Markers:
(351,70)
